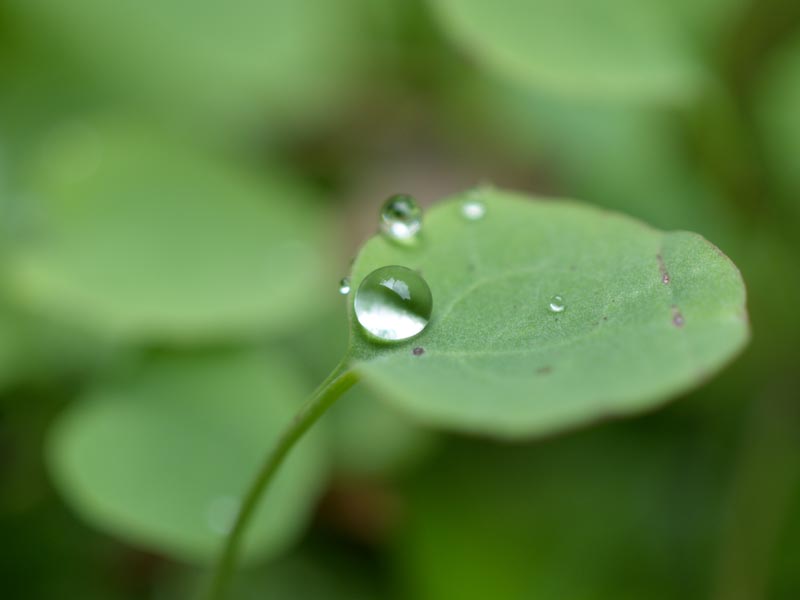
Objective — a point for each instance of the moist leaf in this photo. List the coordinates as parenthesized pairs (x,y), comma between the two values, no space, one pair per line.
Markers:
(648,316)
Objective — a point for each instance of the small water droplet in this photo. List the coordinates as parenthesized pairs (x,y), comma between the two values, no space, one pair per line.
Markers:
(473,209)
(393,303)
(401,217)
(557,304)
(221,513)
(344,286)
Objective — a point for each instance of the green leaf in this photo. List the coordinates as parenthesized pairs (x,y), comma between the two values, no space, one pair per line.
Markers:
(141,237)
(32,347)
(161,457)
(9,355)
(530,519)
(640,50)
(210,64)
(370,438)
(313,571)
(778,115)
(497,361)
(649,174)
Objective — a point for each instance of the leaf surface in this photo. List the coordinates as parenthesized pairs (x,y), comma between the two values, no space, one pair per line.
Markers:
(637,50)
(142,237)
(162,457)
(777,103)
(208,64)
(648,315)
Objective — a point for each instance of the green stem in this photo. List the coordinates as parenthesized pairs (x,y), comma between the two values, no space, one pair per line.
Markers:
(336,384)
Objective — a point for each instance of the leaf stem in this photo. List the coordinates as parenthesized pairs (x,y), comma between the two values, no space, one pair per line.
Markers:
(336,384)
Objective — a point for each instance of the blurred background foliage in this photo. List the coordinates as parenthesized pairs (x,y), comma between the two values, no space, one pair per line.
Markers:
(183,183)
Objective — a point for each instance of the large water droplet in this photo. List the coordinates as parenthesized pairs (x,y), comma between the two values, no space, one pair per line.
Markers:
(401,217)
(557,304)
(344,286)
(393,303)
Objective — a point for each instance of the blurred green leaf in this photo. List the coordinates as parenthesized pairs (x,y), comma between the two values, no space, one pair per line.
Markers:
(648,315)
(780,120)
(162,457)
(313,571)
(39,88)
(631,159)
(216,65)
(785,582)
(710,20)
(139,236)
(53,556)
(8,345)
(609,513)
(633,50)
(370,438)
(32,347)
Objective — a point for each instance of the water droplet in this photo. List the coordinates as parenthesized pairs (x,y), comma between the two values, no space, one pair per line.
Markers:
(393,303)
(401,217)
(221,513)
(344,286)
(473,209)
(557,304)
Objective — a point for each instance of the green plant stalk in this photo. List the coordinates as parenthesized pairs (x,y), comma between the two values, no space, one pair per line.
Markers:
(337,383)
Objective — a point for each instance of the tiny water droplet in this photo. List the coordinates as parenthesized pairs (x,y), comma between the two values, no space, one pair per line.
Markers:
(557,304)
(473,209)
(393,303)
(344,286)
(221,513)
(401,217)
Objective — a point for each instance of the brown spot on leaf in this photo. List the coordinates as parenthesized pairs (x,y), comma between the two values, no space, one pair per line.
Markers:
(546,370)
(418,351)
(677,317)
(662,268)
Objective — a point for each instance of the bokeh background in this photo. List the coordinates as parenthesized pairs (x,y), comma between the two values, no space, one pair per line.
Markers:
(182,185)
